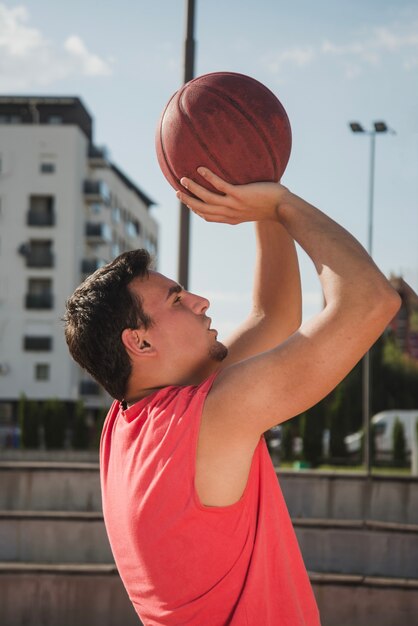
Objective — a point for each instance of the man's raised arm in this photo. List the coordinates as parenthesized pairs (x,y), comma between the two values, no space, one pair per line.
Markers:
(276,301)
(271,387)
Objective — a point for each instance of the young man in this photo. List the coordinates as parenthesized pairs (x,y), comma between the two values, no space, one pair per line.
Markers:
(195,517)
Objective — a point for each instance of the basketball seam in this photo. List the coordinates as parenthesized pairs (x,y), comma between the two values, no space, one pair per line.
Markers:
(251,120)
(202,143)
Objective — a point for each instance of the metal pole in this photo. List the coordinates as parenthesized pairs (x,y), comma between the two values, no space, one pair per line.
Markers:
(366,370)
(189,56)
(371,192)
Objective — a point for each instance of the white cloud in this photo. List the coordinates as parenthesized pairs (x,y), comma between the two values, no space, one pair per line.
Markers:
(28,58)
(375,44)
(299,56)
(17,39)
(89,64)
(369,49)
(410,63)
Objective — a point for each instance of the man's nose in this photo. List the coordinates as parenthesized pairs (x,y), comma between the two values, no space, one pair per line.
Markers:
(199,304)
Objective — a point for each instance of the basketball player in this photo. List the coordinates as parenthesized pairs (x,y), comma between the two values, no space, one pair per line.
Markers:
(194,513)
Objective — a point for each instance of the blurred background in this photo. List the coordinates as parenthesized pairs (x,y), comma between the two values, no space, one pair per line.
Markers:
(82,86)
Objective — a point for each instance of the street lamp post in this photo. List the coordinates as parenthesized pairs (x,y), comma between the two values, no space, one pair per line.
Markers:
(378,127)
(189,57)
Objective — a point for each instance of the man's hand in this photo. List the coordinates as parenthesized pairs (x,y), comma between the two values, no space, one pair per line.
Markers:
(234,204)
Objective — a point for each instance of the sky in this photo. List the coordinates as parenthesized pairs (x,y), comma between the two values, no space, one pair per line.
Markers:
(328,62)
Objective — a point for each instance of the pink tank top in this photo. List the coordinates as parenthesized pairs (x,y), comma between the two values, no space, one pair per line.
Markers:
(183,563)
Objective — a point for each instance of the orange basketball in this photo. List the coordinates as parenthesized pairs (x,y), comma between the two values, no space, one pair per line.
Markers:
(228,122)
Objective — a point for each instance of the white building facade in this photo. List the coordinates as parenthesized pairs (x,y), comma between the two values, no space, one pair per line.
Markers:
(65,210)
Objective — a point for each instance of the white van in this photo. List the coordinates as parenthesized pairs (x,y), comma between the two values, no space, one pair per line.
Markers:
(383,423)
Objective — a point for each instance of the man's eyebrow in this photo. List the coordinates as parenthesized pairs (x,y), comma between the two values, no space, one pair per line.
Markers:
(174,289)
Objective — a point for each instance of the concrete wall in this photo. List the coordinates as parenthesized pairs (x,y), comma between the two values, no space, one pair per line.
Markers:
(56,566)
(49,598)
(334,495)
(50,487)
(355,601)
(70,598)
(33,486)
(384,551)
(60,537)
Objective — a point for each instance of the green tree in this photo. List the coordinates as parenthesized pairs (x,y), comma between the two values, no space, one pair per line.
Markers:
(54,419)
(399,444)
(338,418)
(287,441)
(312,429)
(80,433)
(29,422)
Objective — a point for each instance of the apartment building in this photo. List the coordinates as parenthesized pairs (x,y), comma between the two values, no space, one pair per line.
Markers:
(65,210)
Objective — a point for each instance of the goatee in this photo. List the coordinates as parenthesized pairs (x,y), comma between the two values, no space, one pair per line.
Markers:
(218,352)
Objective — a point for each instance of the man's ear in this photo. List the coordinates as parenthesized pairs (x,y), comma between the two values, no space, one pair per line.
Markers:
(135,342)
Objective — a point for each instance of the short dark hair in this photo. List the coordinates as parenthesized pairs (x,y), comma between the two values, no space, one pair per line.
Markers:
(98,312)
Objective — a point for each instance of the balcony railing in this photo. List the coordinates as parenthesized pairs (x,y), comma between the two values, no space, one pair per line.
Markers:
(39,300)
(98,231)
(34,218)
(37,343)
(97,156)
(88,266)
(39,258)
(89,388)
(96,191)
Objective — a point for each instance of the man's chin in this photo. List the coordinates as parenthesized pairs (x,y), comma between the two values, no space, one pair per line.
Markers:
(218,352)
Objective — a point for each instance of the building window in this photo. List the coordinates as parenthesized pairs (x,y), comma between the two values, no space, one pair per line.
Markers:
(116,216)
(89,388)
(41,211)
(96,208)
(47,168)
(42,371)
(96,191)
(98,232)
(116,250)
(39,294)
(39,253)
(132,228)
(37,343)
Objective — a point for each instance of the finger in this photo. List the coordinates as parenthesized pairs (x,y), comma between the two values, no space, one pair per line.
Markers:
(197,204)
(216,218)
(216,181)
(210,197)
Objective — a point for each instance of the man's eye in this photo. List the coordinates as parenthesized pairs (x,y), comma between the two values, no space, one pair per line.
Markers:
(177,299)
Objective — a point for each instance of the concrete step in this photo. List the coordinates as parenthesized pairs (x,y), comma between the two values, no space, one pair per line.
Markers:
(342,495)
(365,600)
(59,486)
(35,594)
(53,537)
(365,548)
(86,595)
(368,548)
(41,486)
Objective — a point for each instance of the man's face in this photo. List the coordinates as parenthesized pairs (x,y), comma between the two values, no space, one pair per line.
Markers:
(181,330)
